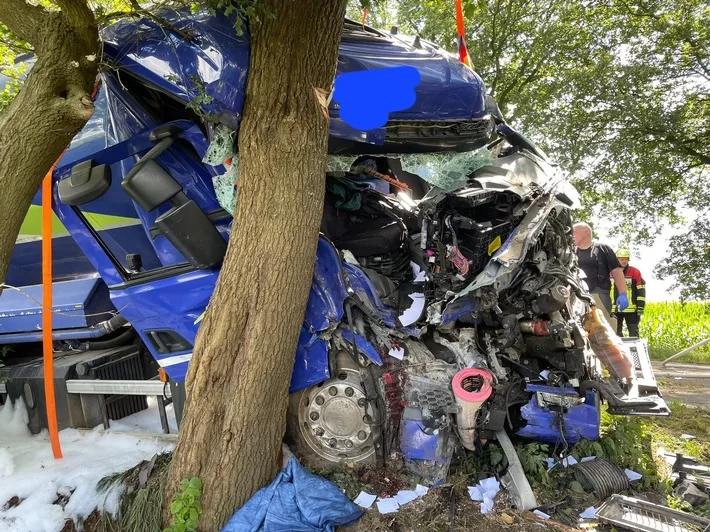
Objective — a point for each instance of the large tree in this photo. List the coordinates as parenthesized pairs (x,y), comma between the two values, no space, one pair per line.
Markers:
(54,103)
(239,375)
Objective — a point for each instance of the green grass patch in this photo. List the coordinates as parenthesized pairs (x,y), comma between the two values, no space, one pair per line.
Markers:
(671,327)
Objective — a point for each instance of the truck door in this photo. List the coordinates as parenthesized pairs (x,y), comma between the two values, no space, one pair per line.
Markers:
(158,171)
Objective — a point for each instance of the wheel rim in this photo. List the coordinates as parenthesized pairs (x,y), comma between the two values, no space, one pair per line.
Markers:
(334,421)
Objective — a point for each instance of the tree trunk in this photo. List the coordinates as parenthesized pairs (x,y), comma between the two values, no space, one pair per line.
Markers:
(52,106)
(239,375)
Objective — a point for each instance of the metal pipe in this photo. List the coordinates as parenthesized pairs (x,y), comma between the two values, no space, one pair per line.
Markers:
(116,387)
(85,333)
(686,351)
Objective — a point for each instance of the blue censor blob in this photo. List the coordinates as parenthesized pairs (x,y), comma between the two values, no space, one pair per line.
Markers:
(367,97)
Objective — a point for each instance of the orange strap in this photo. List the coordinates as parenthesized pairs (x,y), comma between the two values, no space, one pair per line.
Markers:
(391,180)
(461,30)
(47,313)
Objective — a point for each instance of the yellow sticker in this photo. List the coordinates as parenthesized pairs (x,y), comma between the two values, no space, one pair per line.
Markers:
(495,244)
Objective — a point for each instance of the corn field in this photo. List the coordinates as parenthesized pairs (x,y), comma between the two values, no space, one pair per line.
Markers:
(672,326)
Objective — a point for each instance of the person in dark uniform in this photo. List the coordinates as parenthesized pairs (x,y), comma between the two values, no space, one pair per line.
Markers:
(600,265)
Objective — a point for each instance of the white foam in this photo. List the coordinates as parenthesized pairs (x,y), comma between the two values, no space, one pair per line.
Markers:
(38,480)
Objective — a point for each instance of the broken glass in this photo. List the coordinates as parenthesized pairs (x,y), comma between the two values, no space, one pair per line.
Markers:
(221,152)
(446,170)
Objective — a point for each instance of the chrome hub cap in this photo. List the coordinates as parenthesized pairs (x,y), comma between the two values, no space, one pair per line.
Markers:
(334,421)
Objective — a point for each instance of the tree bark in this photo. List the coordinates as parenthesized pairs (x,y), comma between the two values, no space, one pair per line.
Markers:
(238,379)
(52,106)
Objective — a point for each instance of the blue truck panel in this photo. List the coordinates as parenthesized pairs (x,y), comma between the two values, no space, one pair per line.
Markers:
(77,303)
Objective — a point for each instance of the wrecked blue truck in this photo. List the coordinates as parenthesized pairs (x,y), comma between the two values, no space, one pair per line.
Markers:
(446,309)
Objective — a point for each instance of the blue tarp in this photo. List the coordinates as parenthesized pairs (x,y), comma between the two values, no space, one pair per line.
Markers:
(296,501)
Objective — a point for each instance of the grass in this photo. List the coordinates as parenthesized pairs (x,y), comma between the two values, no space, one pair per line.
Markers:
(141,508)
(673,326)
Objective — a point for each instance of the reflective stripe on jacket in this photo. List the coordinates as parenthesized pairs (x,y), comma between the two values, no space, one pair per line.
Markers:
(635,291)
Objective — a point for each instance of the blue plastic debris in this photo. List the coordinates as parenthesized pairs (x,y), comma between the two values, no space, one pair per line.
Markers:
(297,501)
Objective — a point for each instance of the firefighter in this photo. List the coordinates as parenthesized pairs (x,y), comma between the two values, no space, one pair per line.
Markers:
(636,287)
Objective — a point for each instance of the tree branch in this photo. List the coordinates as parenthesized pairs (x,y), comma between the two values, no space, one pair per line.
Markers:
(159,20)
(76,12)
(23,19)
(16,47)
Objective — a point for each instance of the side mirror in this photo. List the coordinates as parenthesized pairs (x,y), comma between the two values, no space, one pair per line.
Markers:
(86,183)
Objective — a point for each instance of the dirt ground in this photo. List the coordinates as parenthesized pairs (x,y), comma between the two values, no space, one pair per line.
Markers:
(439,512)
(683,384)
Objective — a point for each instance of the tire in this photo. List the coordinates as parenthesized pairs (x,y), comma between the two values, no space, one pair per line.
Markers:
(327,425)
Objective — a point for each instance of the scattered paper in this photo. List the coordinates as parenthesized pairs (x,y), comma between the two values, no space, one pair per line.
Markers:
(421,490)
(388,506)
(484,492)
(687,436)
(569,461)
(397,352)
(405,496)
(365,500)
(550,462)
(633,475)
(486,505)
(545,373)
(418,274)
(411,315)
(589,513)
(588,459)
(679,378)
(490,486)
(475,493)
(541,514)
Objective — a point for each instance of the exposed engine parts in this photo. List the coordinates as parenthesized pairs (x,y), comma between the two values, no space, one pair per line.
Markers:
(466,321)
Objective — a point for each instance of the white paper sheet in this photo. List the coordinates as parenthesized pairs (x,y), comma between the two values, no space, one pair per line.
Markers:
(633,476)
(418,274)
(388,506)
(421,490)
(365,500)
(397,352)
(405,496)
(589,513)
(412,314)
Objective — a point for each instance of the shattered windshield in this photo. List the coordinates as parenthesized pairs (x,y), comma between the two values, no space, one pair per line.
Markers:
(445,170)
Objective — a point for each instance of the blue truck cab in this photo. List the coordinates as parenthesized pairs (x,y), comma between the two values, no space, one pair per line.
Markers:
(148,247)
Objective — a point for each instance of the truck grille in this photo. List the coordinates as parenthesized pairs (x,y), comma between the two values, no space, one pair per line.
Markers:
(127,367)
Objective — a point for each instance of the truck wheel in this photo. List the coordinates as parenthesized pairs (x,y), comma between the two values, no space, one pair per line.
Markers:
(329,424)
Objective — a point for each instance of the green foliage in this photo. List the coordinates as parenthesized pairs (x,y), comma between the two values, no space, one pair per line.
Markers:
(688,260)
(186,506)
(248,10)
(672,326)
(626,441)
(493,460)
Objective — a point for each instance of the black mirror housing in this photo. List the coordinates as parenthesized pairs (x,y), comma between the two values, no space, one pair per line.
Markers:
(85,184)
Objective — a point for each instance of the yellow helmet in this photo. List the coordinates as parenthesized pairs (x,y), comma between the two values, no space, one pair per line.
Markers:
(623,253)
